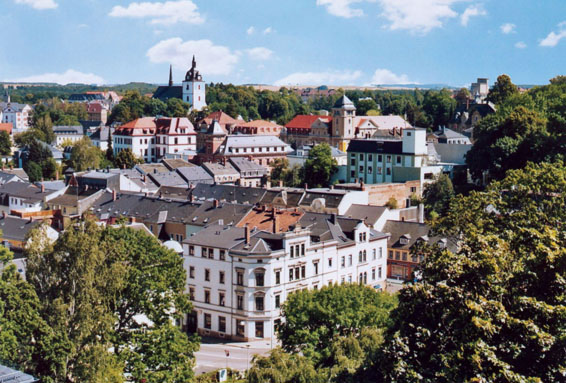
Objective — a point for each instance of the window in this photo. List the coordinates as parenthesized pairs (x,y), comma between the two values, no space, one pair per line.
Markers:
(370,157)
(398,255)
(191,272)
(222,255)
(211,253)
(207,275)
(290,274)
(192,293)
(303,249)
(398,159)
(374,254)
(191,250)
(388,171)
(370,170)
(408,134)
(361,169)
(259,303)
(259,279)
(221,299)
(297,272)
(373,274)
(361,157)
(379,272)
(203,252)
(222,324)
(353,162)
(240,328)
(360,256)
(379,170)
(388,159)
(292,251)
(350,260)
(206,296)
(390,254)
(352,173)
(329,262)
(277,277)
(240,302)
(221,277)
(365,256)
(404,255)
(379,158)
(239,278)
(259,329)
(343,262)
(303,271)
(315,264)
(277,301)
(207,321)
(380,252)
(343,280)
(297,247)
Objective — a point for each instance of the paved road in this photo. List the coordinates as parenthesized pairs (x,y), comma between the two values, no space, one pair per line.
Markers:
(212,354)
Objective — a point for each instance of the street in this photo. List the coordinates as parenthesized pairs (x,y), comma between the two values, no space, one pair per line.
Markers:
(212,354)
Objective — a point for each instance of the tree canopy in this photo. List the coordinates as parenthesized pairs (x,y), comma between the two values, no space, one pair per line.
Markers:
(320,166)
(126,159)
(85,155)
(502,90)
(438,194)
(494,310)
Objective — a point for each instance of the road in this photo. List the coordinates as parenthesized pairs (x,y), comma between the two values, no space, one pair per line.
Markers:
(212,354)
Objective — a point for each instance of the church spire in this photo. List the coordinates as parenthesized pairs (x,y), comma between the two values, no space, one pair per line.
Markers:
(170,75)
(194,62)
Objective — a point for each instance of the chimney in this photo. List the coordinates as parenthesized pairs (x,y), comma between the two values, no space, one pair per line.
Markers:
(191,198)
(275,222)
(56,176)
(215,203)
(113,195)
(4,214)
(42,188)
(280,183)
(421,213)
(247,233)
(362,186)
(333,218)
(306,186)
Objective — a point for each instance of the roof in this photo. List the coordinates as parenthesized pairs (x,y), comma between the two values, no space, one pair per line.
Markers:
(229,193)
(344,103)
(376,146)
(8,375)
(413,232)
(217,169)
(151,168)
(16,228)
(383,122)
(64,129)
(25,191)
(367,213)
(248,141)
(331,198)
(303,121)
(7,177)
(171,178)
(17,172)
(174,126)
(101,134)
(260,124)
(262,219)
(449,134)
(222,118)
(215,129)
(195,174)
(6,127)
(244,165)
(166,92)
(219,236)
(174,163)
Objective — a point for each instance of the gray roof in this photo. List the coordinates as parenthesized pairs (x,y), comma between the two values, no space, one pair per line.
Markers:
(228,193)
(367,213)
(164,93)
(195,174)
(25,191)
(7,177)
(52,185)
(215,129)
(9,375)
(218,236)
(63,129)
(175,163)
(344,103)
(448,134)
(247,167)
(332,198)
(151,168)
(13,105)
(217,169)
(413,232)
(171,178)
(16,229)
(18,172)
(253,141)
(101,134)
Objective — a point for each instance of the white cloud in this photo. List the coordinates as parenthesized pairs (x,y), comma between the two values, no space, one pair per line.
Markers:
(520,45)
(341,8)
(71,76)
(471,11)
(259,53)
(417,15)
(385,76)
(318,78)
(212,59)
(507,28)
(39,4)
(554,38)
(169,12)
(267,30)
(250,30)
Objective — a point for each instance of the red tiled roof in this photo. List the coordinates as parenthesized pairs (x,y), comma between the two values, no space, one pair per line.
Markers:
(263,219)
(303,121)
(260,124)
(94,107)
(6,127)
(222,118)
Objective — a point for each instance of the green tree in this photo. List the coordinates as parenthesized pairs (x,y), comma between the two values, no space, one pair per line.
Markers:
(320,166)
(493,311)
(280,366)
(502,90)
(177,108)
(279,168)
(439,106)
(437,195)
(29,136)
(5,143)
(315,319)
(41,121)
(365,105)
(126,159)
(84,155)
(33,170)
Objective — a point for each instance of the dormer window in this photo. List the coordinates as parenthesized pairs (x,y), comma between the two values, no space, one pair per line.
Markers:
(404,239)
(442,243)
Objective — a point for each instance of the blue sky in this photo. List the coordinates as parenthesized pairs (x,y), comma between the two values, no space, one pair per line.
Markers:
(287,42)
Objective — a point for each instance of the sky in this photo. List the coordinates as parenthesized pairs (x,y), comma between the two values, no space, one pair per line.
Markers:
(283,42)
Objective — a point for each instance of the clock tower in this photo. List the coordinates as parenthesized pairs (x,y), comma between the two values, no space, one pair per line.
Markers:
(194,88)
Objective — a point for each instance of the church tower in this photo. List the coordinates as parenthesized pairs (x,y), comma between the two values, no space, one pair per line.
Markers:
(194,89)
(343,113)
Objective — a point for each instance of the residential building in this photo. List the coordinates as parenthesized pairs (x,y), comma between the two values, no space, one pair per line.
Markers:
(261,149)
(239,277)
(152,138)
(194,175)
(301,154)
(251,174)
(385,161)
(100,137)
(21,155)
(261,127)
(6,177)
(222,173)
(192,90)
(10,375)
(67,135)
(16,114)
(448,136)
(97,111)
(403,260)
(23,199)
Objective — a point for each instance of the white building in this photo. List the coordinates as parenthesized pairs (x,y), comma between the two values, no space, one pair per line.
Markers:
(153,138)
(194,88)
(16,114)
(238,278)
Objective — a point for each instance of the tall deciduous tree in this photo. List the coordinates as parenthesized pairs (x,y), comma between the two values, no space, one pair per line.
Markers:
(320,166)
(126,159)
(84,155)
(5,143)
(494,311)
(502,90)
(438,194)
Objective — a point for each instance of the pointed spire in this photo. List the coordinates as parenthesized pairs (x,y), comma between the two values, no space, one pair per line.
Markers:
(194,62)
(170,75)
(7,96)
